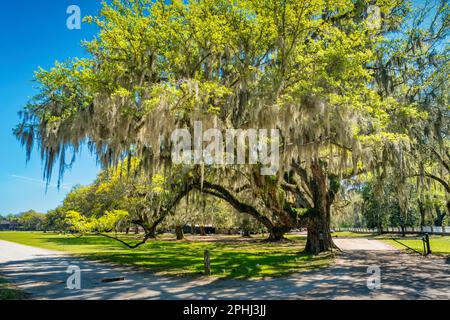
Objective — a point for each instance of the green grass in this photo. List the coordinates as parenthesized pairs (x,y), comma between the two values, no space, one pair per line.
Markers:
(230,256)
(9,292)
(438,244)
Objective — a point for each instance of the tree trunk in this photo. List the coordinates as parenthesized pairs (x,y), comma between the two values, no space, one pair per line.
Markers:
(246,233)
(422,213)
(277,234)
(319,235)
(440,217)
(179,232)
(319,218)
(152,233)
(202,231)
(207,262)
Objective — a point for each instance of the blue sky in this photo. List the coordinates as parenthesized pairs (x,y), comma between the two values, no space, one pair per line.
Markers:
(34,33)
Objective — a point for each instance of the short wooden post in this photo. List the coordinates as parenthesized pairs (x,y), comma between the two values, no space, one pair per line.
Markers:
(207,263)
(427,238)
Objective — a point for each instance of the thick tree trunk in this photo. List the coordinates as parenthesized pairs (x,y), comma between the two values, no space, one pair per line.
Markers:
(179,232)
(319,218)
(319,236)
(277,234)
(152,233)
(202,231)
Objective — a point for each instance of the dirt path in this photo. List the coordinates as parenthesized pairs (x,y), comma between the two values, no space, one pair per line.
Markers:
(42,274)
(360,244)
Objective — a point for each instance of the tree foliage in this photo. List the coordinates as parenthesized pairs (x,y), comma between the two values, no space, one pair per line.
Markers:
(345,96)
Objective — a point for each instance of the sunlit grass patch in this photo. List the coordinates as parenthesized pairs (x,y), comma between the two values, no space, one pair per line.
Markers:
(231,256)
(438,244)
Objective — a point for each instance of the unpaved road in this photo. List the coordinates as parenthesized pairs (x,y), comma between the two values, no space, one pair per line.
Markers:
(42,274)
(361,244)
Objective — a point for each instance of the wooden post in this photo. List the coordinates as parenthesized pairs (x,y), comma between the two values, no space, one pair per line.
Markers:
(427,239)
(207,263)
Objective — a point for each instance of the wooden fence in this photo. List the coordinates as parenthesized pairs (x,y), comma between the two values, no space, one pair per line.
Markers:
(408,230)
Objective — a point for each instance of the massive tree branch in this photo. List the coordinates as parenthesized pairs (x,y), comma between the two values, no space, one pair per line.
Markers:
(224,194)
(445,184)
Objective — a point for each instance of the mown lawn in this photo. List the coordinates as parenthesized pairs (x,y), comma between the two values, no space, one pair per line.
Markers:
(231,256)
(9,292)
(438,244)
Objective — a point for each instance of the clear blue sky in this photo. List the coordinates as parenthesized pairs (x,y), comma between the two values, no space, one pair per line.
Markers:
(34,33)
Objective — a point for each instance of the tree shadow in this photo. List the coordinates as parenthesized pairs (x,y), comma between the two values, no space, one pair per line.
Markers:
(402,277)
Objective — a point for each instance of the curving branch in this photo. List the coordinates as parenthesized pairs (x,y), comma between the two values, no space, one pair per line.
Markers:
(224,194)
(144,241)
(445,184)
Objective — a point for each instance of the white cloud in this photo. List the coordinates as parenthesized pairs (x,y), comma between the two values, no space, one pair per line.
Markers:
(41,183)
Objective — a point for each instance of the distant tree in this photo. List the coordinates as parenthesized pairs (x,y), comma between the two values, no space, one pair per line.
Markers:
(202,210)
(55,220)
(32,220)
(385,206)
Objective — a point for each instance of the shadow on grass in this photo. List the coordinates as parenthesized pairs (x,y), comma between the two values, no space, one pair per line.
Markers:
(10,292)
(224,263)
(252,258)
(403,277)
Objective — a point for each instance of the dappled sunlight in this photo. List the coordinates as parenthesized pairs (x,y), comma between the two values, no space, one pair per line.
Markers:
(403,277)
(231,256)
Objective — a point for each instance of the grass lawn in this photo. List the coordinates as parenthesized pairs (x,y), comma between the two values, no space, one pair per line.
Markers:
(9,292)
(231,256)
(438,244)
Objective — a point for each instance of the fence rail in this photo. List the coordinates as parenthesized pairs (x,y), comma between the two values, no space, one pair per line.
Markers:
(408,230)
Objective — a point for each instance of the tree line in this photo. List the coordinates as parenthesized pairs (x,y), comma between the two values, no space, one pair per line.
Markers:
(25,221)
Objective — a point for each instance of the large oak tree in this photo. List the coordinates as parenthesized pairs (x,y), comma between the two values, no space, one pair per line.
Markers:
(297,66)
